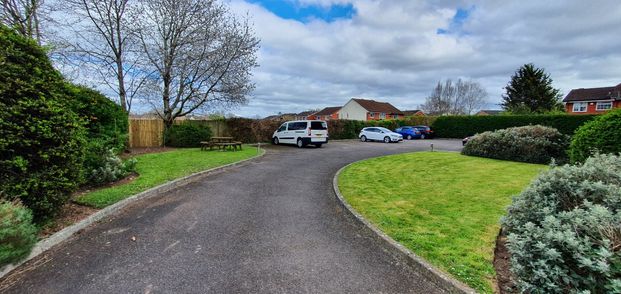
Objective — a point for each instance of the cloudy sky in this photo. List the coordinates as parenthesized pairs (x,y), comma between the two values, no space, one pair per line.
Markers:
(318,53)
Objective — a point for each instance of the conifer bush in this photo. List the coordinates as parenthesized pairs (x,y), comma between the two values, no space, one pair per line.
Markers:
(564,230)
(17,233)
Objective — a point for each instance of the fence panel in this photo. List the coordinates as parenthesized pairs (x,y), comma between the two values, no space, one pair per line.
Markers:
(146,133)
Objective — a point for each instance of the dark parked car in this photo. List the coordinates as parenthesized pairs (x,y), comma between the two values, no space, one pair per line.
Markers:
(426,132)
(408,132)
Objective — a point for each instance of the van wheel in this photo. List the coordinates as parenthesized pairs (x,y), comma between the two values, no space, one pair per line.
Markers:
(422,136)
(409,137)
(275,141)
(363,138)
(318,145)
(300,143)
(386,139)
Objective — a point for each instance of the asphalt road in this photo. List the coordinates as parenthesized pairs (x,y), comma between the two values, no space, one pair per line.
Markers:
(271,226)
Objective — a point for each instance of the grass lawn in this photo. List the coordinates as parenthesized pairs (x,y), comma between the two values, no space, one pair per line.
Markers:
(157,168)
(443,206)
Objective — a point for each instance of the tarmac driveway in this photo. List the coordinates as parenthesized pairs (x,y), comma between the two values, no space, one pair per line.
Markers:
(271,226)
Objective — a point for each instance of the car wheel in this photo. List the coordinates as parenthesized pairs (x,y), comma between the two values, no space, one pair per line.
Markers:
(300,143)
(275,141)
(318,145)
(363,138)
(386,139)
(422,136)
(409,137)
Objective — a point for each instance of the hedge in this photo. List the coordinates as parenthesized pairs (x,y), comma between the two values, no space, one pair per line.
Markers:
(186,134)
(602,135)
(464,126)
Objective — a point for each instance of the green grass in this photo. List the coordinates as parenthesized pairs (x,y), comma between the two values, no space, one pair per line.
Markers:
(158,168)
(445,207)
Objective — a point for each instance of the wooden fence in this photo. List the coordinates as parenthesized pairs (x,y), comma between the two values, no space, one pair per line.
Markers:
(150,132)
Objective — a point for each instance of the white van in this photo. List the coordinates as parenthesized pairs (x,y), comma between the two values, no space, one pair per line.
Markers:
(302,133)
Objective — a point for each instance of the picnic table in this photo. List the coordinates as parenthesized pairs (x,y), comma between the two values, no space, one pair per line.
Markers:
(222,143)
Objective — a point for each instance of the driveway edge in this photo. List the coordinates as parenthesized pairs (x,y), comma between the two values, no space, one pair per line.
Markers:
(440,278)
(64,234)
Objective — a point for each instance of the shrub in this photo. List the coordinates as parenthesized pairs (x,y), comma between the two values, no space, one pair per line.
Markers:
(463,126)
(109,168)
(534,144)
(187,134)
(602,134)
(17,233)
(41,140)
(564,230)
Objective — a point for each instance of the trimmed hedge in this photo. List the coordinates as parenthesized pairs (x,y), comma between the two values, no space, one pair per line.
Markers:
(186,134)
(564,230)
(602,134)
(532,144)
(17,233)
(463,126)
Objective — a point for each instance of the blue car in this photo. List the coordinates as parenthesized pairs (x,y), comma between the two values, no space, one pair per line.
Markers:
(409,132)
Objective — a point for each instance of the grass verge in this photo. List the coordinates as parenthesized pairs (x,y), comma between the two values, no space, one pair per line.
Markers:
(443,206)
(157,168)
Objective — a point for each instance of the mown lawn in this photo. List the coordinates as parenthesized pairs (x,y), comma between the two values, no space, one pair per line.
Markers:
(158,168)
(443,206)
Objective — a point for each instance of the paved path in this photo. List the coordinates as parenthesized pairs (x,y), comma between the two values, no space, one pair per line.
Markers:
(272,226)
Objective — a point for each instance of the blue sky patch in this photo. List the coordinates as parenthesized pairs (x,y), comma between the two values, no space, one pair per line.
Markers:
(457,22)
(292,9)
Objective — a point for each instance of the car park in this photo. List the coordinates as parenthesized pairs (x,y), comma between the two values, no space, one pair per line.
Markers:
(302,133)
(408,132)
(379,134)
(426,132)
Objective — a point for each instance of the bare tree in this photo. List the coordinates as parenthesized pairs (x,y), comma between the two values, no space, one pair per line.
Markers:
(202,55)
(103,42)
(448,98)
(23,16)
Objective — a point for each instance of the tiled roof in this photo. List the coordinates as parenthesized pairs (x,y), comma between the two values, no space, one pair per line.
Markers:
(376,106)
(588,94)
(412,112)
(305,113)
(328,111)
(491,111)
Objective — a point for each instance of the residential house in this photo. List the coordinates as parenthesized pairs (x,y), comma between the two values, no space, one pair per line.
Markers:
(364,109)
(327,113)
(593,100)
(304,115)
(415,112)
(490,112)
(281,117)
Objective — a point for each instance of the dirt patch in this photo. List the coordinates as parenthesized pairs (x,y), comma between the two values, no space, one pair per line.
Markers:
(144,150)
(70,214)
(504,278)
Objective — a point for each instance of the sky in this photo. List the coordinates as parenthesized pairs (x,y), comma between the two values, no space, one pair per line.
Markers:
(319,53)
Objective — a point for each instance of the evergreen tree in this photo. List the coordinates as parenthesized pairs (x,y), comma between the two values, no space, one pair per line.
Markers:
(530,90)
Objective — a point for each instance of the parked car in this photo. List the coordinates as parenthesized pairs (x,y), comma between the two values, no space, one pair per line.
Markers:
(379,134)
(426,132)
(302,133)
(409,132)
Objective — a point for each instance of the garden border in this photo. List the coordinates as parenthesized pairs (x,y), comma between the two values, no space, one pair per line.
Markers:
(64,234)
(440,278)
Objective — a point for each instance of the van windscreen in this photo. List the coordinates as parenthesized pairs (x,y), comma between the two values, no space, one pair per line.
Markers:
(319,125)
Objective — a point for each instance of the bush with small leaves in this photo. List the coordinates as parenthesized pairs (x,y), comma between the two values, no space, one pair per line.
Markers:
(602,135)
(110,168)
(564,230)
(17,233)
(187,134)
(533,144)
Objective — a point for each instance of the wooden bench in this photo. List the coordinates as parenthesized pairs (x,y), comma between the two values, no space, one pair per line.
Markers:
(222,143)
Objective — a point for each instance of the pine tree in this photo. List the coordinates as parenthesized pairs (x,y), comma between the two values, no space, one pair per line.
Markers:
(530,90)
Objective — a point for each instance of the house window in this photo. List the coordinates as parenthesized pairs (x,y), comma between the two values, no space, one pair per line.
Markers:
(372,114)
(580,107)
(395,116)
(603,106)
(382,115)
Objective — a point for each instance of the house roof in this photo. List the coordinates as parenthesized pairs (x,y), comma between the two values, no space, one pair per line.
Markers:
(305,113)
(491,111)
(412,112)
(588,94)
(376,106)
(328,110)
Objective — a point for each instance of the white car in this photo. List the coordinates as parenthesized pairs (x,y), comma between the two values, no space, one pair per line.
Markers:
(302,133)
(379,134)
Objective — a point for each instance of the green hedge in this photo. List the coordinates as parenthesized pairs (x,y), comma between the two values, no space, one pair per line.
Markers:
(602,135)
(463,126)
(186,134)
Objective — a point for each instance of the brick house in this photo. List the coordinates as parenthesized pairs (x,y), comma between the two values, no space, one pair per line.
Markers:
(327,113)
(593,100)
(364,109)
(304,115)
(415,112)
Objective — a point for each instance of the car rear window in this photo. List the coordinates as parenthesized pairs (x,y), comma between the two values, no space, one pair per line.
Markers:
(319,125)
(297,126)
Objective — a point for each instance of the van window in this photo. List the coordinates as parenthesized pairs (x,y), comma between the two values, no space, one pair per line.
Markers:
(283,127)
(319,125)
(297,126)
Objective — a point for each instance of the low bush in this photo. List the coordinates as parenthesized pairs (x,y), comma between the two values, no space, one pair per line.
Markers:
(109,168)
(602,135)
(41,139)
(533,144)
(17,233)
(187,134)
(461,126)
(564,230)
